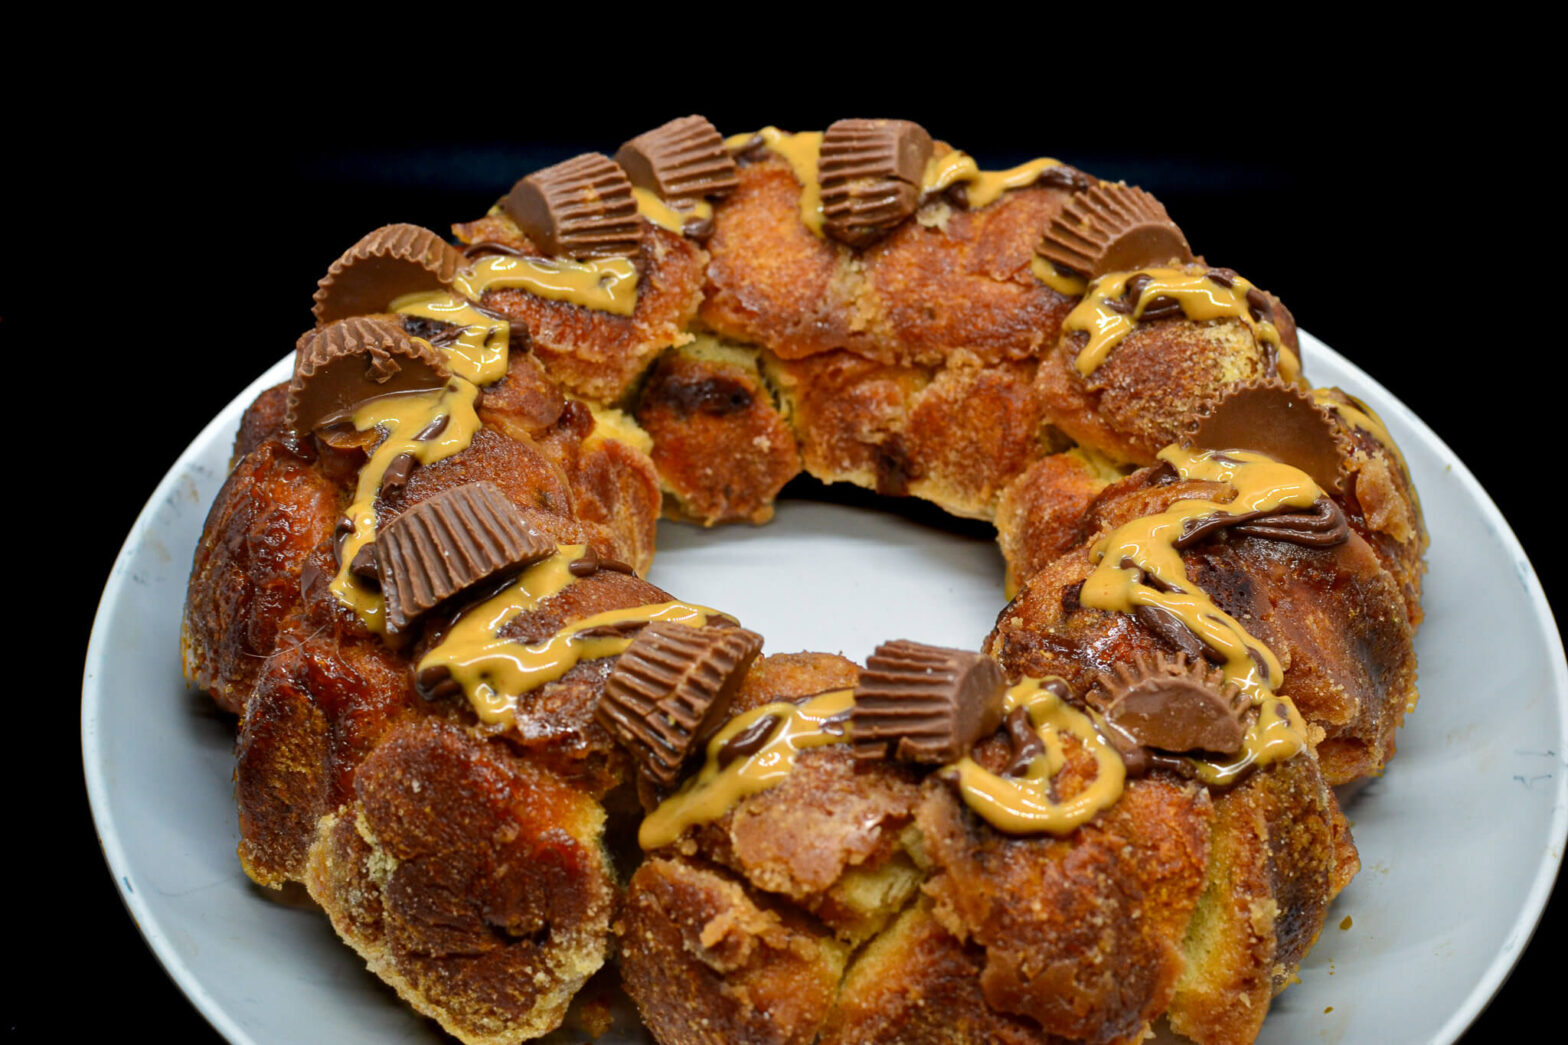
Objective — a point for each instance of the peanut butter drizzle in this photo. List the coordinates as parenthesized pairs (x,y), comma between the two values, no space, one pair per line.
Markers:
(605,284)
(401,418)
(822,720)
(650,206)
(1146,548)
(1026,805)
(800,151)
(1200,299)
(480,351)
(981,187)
(495,672)
(1061,282)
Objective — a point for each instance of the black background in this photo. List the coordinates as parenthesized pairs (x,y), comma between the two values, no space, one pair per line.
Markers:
(1363,199)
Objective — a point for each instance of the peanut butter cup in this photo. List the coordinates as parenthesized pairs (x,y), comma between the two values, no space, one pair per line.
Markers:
(580,208)
(1112,227)
(927,704)
(670,688)
(1282,421)
(870,172)
(1174,704)
(354,360)
(683,161)
(450,543)
(386,264)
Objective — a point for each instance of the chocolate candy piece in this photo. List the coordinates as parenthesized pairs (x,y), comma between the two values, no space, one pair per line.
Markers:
(870,172)
(1174,704)
(353,360)
(1282,421)
(1112,228)
(448,544)
(392,261)
(927,703)
(669,690)
(581,208)
(683,161)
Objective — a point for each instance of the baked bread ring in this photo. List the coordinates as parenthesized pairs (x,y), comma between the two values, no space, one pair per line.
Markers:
(498,758)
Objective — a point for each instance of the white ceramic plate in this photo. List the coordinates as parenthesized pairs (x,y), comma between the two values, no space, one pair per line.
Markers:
(1460,839)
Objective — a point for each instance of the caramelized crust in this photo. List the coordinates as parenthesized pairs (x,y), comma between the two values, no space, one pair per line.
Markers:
(826,838)
(709,964)
(1038,516)
(473,883)
(970,431)
(793,677)
(849,414)
(1140,399)
(1276,861)
(951,279)
(318,709)
(959,280)
(1081,934)
(917,985)
(273,511)
(720,445)
(770,282)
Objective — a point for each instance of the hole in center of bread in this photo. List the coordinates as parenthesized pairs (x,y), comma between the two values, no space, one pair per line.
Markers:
(841,578)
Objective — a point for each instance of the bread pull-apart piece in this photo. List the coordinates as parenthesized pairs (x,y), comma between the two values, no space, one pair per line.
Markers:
(722,447)
(1279,853)
(471,881)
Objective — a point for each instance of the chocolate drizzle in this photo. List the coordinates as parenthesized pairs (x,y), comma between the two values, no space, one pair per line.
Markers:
(1321,526)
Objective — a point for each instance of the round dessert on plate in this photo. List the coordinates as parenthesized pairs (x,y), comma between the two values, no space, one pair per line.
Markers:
(513,773)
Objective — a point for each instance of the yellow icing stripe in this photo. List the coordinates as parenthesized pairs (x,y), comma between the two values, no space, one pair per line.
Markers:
(479,353)
(1061,282)
(714,791)
(1200,298)
(1275,735)
(650,206)
(401,418)
(1144,550)
(981,187)
(606,284)
(800,152)
(1023,805)
(494,671)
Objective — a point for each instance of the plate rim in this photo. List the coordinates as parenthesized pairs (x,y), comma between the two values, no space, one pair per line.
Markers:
(153,933)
